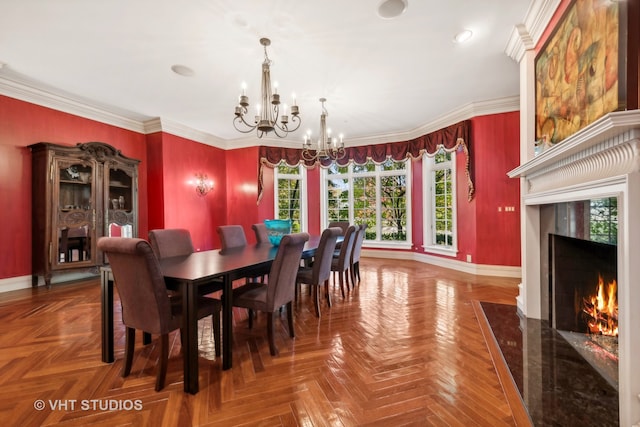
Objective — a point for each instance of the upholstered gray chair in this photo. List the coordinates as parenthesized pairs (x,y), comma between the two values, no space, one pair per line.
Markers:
(341,261)
(231,236)
(354,268)
(319,272)
(170,242)
(260,231)
(343,226)
(279,291)
(146,304)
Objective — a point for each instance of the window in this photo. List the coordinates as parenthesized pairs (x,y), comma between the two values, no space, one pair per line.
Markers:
(378,195)
(290,195)
(439,203)
(603,221)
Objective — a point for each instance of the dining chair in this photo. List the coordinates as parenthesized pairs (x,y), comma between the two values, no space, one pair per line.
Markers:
(341,261)
(280,290)
(354,264)
(170,242)
(146,304)
(231,236)
(260,231)
(343,226)
(319,272)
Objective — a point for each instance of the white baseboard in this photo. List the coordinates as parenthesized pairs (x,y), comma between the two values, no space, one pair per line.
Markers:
(15,283)
(24,282)
(453,264)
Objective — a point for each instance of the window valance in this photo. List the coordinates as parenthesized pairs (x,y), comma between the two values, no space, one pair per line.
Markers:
(451,138)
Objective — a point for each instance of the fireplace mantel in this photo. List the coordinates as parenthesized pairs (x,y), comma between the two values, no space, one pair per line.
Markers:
(604,130)
(601,160)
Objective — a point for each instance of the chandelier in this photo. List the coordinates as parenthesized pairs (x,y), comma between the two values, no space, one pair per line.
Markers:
(328,147)
(267,113)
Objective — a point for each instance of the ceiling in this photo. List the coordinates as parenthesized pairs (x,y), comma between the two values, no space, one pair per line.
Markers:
(380,76)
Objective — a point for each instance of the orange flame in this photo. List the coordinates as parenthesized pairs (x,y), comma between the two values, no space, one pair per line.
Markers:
(602,309)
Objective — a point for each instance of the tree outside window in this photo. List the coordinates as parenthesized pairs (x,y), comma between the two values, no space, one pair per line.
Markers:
(290,186)
(376,195)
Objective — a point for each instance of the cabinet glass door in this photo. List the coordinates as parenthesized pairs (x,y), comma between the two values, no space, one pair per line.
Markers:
(120,205)
(73,223)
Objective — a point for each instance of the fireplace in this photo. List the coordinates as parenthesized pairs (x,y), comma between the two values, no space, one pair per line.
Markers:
(583,286)
(600,161)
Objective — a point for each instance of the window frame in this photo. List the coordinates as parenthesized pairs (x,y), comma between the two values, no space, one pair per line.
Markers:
(377,173)
(429,167)
(302,176)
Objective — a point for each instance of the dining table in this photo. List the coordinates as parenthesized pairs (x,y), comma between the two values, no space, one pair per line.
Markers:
(187,274)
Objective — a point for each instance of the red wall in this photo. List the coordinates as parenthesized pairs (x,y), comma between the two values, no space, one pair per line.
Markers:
(242,189)
(22,124)
(496,150)
(168,162)
(173,162)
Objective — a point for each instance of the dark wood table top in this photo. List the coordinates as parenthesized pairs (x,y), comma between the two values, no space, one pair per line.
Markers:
(206,265)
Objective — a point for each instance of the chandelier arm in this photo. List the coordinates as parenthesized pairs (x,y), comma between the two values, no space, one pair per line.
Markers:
(240,120)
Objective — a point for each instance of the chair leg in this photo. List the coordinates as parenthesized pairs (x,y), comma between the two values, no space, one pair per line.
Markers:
(129,344)
(164,361)
(316,299)
(250,318)
(215,322)
(340,278)
(352,275)
(272,343)
(357,266)
(326,292)
(292,332)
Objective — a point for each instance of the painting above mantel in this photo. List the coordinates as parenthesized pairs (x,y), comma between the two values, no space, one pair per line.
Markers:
(580,70)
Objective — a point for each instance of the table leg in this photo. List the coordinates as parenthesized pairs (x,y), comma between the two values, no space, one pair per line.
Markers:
(190,336)
(106,285)
(227,322)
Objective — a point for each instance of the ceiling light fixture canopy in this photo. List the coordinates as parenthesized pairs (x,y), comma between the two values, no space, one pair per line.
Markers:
(327,147)
(268,113)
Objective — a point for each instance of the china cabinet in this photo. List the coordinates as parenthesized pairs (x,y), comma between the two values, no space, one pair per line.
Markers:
(79,194)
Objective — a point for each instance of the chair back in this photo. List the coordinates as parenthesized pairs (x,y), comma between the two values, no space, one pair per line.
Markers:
(343,225)
(140,283)
(282,277)
(357,244)
(321,269)
(232,236)
(344,258)
(170,242)
(260,231)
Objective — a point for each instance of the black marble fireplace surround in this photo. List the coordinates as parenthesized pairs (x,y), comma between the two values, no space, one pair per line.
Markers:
(557,385)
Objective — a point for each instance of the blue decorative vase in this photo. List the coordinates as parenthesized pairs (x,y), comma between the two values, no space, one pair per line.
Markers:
(276,228)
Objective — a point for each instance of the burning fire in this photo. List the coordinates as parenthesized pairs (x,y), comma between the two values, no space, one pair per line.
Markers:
(602,309)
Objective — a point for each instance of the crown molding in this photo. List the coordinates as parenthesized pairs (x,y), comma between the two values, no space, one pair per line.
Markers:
(178,129)
(527,35)
(29,93)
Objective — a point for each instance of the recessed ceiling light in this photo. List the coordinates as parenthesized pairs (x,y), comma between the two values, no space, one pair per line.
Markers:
(182,70)
(463,36)
(389,9)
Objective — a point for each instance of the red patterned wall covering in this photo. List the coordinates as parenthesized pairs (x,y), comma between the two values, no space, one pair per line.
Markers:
(22,124)
(496,147)
(183,207)
(242,189)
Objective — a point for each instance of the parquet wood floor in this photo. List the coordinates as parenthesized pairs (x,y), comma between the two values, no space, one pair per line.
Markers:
(403,348)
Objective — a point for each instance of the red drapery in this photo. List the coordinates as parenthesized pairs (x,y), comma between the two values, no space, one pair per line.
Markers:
(451,138)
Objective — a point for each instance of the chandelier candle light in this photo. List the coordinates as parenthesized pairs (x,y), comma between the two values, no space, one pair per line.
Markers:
(328,147)
(266,119)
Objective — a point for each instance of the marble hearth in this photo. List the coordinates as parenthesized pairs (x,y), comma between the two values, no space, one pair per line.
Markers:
(600,161)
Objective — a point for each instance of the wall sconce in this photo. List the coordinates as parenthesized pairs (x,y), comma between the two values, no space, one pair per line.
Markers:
(202,184)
